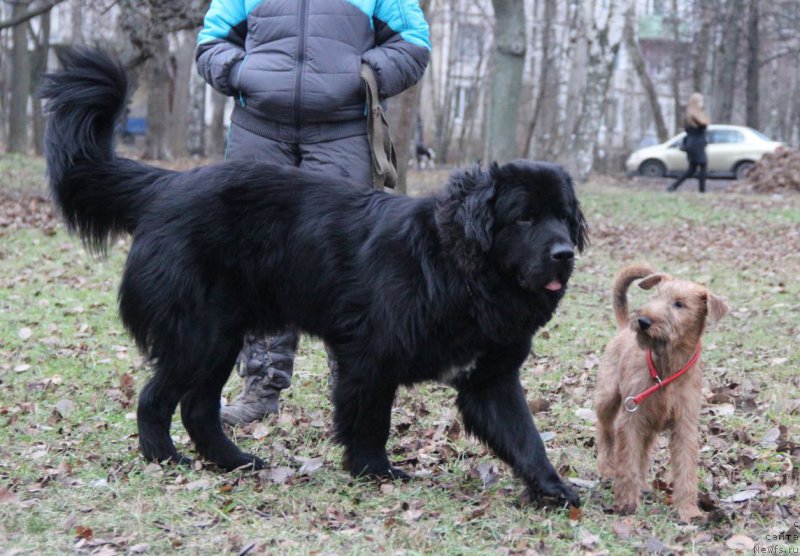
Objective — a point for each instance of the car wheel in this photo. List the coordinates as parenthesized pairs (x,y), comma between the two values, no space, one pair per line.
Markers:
(652,169)
(741,169)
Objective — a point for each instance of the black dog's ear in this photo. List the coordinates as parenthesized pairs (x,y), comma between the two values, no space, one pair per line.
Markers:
(477,216)
(579,228)
(466,216)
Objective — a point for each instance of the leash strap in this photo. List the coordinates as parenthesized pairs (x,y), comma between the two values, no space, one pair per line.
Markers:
(384,158)
(631,403)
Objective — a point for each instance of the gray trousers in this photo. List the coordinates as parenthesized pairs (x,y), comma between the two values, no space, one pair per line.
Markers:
(349,157)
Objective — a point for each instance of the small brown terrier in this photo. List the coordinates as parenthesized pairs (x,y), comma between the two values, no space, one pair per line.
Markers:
(668,327)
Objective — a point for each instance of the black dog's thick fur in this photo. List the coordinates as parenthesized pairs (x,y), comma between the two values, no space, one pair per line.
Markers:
(450,287)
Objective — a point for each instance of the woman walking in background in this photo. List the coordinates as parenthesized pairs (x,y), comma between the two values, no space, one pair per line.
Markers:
(695,142)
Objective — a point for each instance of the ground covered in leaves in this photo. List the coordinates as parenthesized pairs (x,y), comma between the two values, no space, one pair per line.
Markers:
(71,480)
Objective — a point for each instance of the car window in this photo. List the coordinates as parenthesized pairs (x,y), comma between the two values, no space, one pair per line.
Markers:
(759,134)
(725,136)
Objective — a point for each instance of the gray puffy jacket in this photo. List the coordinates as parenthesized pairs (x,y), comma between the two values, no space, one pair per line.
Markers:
(294,65)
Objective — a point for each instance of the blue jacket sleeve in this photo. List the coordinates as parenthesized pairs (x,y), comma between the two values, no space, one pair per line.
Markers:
(402,46)
(220,44)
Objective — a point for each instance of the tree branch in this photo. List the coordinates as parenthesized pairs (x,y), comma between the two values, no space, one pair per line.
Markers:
(30,14)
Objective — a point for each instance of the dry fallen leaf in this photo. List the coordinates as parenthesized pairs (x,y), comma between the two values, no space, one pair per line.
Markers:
(309,466)
(742,496)
(740,542)
(583,483)
(200,484)
(622,529)
(586,414)
(486,472)
(412,514)
(588,539)
(771,436)
(65,407)
(784,491)
(84,532)
(153,469)
(278,475)
(7,497)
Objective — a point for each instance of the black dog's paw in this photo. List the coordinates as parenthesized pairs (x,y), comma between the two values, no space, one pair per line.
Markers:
(383,473)
(243,461)
(171,458)
(552,493)
(374,468)
(180,459)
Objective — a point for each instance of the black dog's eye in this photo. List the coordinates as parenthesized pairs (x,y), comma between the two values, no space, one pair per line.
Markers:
(679,305)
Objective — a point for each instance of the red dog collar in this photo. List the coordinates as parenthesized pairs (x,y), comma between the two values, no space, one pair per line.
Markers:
(632,402)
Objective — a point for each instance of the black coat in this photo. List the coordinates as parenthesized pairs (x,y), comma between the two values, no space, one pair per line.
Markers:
(695,143)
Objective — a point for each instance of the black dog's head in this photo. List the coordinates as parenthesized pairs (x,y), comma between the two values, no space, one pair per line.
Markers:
(521,218)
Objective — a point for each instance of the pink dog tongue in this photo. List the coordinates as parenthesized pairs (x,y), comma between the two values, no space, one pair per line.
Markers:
(553,286)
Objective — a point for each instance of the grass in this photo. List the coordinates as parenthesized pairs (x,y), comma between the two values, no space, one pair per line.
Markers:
(71,479)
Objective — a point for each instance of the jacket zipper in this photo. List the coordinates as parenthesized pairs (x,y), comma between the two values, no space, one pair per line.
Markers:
(301,61)
(242,100)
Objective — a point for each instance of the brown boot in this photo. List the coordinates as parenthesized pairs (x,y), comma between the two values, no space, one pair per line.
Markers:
(267,365)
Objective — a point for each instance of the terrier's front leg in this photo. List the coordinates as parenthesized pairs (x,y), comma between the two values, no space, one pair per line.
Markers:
(684,451)
(629,451)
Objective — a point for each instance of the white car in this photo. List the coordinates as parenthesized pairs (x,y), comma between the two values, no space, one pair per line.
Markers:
(731,151)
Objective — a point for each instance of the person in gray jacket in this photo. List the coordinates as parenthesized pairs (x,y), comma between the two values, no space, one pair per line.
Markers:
(293,68)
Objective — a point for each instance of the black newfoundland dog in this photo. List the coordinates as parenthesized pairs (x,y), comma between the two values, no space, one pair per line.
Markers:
(450,287)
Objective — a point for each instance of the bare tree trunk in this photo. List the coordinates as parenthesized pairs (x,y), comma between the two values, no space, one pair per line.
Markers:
(700,48)
(564,104)
(444,97)
(468,122)
(603,36)
(402,115)
(158,96)
(544,72)
(509,63)
(5,79)
(753,65)
(20,87)
(677,63)
(792,128)
(725,85)
(76,22)
(509,60)
(603,48)
(216,129)
(38,67)
(182,60)
(403,119)
(635,53)
(196,132)
(632,128)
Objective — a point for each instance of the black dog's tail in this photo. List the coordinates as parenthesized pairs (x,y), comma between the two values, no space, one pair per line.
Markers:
(99,194)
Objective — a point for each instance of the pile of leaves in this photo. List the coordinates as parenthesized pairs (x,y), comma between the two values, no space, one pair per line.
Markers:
(775,173)
(26,210)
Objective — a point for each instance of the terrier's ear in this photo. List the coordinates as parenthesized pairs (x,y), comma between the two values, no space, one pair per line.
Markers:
(648,282)
(717,308)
